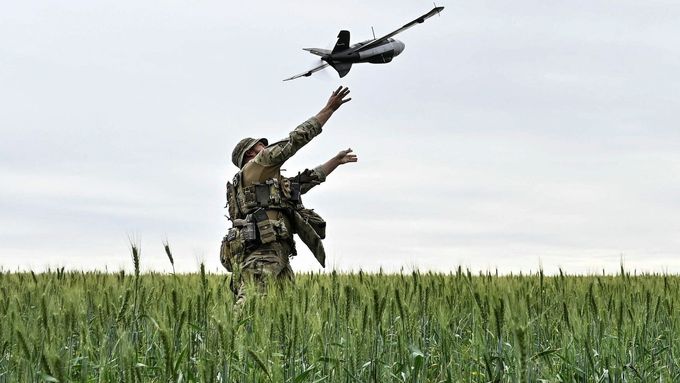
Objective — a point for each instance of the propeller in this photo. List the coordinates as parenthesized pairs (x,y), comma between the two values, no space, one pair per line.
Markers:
(324,73)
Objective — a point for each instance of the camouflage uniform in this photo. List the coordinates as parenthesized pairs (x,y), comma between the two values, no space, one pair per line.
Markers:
(266,210)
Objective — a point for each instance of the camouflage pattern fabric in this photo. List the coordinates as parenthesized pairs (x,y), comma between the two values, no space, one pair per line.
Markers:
(268,263)
(271,260)
(280,151)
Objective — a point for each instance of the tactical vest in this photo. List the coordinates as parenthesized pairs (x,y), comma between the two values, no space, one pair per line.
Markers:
(248,206)
(273,194)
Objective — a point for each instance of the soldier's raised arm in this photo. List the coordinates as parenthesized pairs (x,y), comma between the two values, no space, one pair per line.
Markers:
(279,152)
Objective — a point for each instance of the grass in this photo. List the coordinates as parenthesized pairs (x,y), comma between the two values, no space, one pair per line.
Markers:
(72,326)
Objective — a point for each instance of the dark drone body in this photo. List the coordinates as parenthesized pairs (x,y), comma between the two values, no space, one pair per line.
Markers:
(376,51)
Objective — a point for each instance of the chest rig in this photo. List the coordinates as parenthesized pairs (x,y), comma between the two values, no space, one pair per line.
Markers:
(252,226)
(273,194)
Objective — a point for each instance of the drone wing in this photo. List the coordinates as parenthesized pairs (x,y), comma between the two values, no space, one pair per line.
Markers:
(308,73)
(380,40)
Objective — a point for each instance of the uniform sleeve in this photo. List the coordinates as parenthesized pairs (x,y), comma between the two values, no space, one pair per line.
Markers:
(311,178)
(279,152)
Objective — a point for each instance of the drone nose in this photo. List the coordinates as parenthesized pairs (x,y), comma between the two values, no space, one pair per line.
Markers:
(398,47)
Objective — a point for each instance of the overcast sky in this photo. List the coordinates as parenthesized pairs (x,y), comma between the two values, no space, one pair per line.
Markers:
(507,135)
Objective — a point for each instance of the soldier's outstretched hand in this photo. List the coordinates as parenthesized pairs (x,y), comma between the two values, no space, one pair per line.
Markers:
(334,102)
(338,98)
(345,156)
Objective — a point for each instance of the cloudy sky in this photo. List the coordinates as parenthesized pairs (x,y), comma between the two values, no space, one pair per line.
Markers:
(508,135)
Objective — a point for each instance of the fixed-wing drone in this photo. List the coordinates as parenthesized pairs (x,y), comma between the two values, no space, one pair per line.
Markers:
(376,51)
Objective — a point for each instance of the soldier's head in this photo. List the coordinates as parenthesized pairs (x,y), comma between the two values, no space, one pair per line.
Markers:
(247,149)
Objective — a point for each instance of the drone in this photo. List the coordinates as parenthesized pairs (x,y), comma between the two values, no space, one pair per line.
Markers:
(376,51)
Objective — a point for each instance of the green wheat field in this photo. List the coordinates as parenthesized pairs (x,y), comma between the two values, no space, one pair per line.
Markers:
(63,326)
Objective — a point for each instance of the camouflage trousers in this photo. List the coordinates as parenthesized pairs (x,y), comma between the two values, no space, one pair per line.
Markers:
(270,262)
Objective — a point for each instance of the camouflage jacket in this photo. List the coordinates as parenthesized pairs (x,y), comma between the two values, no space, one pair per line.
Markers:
(267,166)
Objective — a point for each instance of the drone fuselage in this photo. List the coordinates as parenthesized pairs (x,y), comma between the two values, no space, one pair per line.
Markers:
(380,54)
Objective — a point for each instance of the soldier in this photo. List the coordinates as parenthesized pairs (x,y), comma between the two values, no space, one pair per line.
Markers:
(265,208)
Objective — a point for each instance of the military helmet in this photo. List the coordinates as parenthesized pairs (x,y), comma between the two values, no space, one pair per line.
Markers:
(242,147)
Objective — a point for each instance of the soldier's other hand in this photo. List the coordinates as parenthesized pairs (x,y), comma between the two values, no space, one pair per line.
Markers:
(338,98)
(345,156)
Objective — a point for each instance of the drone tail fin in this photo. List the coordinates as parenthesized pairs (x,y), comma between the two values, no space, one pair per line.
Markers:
(343,42)
(317,51)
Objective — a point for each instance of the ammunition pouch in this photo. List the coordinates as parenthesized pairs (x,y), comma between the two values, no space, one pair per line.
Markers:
(295,192)
(232,203)
(267,195)
(226,255)
(233,248)
(239,239)
(268,230)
